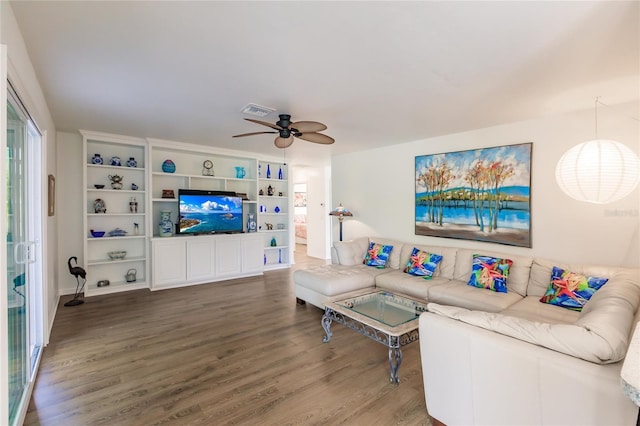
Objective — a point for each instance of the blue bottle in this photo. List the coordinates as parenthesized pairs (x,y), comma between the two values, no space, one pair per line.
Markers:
(280,173)
(268,172)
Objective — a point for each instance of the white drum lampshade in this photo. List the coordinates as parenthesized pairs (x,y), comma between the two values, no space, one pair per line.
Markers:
(598,171)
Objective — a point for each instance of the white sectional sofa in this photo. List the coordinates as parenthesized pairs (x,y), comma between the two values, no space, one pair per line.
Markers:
(502,358)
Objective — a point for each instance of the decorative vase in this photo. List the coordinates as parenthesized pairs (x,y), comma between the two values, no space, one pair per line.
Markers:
(115,161)
(273,242)
(168,166)
(116,181)
(240,172)
(265,259)
(251,223)
(165,226)
(280,173)
(277,209)
(268,172)
(96,159)
(133,205)
(280,256)
(132,162)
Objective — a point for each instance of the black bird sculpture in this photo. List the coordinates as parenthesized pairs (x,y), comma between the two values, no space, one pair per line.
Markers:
(77,272)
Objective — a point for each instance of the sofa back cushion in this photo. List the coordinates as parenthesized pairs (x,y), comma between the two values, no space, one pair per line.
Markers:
(541,270)
(518,279)
(446,266)
(351,252)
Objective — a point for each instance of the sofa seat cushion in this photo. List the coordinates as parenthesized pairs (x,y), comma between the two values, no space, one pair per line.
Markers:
(333,279)
(458,293)
(530,308)
(403,283)
(571,339)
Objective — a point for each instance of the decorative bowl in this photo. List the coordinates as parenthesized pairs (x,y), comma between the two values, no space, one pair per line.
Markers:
(97,234)
(98,186)
(117,232)
(117,255)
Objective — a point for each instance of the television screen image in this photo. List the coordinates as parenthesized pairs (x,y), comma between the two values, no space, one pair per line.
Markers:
(208,212)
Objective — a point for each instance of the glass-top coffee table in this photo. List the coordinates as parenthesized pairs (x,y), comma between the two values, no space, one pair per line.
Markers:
(388,318)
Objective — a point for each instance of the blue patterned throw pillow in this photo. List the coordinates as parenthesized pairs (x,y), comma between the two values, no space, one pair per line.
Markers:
(571,290)
(490,273)
(422,263)
(377,255)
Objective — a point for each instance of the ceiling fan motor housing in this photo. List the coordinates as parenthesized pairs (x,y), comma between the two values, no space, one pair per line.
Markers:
(285,121)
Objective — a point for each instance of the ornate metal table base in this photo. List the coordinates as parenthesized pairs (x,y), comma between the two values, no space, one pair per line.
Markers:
(394,343)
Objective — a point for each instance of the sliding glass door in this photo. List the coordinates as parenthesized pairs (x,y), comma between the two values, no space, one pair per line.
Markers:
(23,213)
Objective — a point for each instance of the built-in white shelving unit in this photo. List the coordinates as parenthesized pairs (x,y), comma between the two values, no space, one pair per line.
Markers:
(120,212)
(164,262)
(274,218)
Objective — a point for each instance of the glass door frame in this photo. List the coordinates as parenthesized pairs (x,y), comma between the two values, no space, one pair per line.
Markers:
(35,248)
(4,321)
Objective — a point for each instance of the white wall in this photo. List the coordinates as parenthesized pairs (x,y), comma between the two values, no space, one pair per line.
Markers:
(70,189)
(22,75)
(379,187)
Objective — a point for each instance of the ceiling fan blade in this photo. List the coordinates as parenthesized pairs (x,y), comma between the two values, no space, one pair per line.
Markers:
(264,123)
(250,134)
(283,142)
(308,126)
(316,138)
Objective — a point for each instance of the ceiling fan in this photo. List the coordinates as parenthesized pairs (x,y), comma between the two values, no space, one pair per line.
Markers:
(286,131)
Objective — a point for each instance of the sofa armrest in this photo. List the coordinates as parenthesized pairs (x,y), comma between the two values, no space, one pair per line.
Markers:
(475,376)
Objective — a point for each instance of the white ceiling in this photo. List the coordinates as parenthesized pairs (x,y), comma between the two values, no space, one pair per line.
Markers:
(376,73)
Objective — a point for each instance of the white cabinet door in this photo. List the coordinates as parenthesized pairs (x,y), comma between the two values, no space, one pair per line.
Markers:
(169,261)
(252,253)
(228,252)
(201,259)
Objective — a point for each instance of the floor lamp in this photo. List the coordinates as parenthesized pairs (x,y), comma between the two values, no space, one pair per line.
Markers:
(341,212)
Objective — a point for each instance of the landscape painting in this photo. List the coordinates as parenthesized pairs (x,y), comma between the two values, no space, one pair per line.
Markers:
(481,194)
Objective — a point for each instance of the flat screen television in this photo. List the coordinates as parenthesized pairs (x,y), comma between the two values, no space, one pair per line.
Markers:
(209,212)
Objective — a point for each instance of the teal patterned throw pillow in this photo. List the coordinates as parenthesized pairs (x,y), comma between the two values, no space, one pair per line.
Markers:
(490,273)
(377,255)
(422,263)
(571,290)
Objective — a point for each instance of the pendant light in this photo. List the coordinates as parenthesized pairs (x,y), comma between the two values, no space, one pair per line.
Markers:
(599,171)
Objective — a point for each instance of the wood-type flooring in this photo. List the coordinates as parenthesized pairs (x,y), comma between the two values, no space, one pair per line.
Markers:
(237,352)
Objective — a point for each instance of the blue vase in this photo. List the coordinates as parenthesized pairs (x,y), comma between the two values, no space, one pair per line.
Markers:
(277,209)
(268,172)
(132,162)
(96,159)
(168,166)
(251,223)
(165,227)
(280,173)
(115,161)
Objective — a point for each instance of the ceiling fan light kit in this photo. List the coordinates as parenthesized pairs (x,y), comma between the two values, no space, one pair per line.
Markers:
(287,131)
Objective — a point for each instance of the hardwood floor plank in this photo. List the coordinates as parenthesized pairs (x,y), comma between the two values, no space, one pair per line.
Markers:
(231,352)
